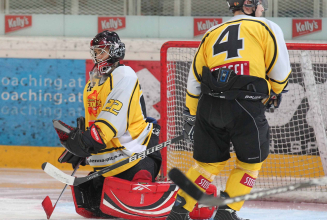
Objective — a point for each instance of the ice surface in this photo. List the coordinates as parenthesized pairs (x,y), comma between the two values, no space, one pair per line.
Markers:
(23,190)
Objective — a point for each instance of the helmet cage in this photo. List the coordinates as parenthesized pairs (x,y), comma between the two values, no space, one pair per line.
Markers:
(238,4)
(115,51)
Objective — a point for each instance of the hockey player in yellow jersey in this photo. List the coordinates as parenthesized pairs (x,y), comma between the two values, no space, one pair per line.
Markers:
(240,68)
(115,125)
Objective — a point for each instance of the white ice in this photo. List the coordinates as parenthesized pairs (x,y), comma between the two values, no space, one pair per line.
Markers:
(23,190)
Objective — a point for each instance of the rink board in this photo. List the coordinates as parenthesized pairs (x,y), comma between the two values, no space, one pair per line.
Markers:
(298,165)
(33,157)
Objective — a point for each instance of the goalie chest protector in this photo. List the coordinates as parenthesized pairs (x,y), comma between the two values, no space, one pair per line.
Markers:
(137,200)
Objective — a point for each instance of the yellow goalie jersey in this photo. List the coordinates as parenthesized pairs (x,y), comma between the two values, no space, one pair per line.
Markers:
(249,46)
(116,106)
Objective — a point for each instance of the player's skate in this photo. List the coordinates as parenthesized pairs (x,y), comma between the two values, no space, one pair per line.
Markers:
(178,212)
(226,213)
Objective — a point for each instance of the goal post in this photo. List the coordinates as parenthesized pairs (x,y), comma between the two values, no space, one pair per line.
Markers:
(298,145)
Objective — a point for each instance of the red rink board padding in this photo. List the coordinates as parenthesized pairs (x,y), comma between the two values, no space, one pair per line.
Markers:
(137,200)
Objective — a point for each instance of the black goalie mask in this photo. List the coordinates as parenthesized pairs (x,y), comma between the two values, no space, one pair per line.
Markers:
(106,50)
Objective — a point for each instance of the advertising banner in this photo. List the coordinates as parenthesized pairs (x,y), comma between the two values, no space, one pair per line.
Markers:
(17,22)
(301,27)
(111,23)
(33,92)
(201,25)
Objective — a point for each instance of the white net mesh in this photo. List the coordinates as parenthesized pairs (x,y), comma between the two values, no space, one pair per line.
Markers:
(300,8)
(81,7)
(218,8)
(297,129)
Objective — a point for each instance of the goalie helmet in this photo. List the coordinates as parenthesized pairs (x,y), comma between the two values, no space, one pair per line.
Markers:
(106,50)
(238,4)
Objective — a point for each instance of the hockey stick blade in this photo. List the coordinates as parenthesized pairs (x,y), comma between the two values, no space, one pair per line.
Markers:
(75,181)
(57,174)
(47,204)
(188,187)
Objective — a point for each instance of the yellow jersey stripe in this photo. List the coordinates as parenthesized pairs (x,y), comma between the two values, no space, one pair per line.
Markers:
(112,149)
(192,96)
(108,125)
(281,82)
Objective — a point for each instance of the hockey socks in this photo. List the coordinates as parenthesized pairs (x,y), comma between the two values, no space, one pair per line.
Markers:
(201,174)
(241,180)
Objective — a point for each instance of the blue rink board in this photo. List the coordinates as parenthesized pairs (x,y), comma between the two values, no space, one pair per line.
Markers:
(33,93)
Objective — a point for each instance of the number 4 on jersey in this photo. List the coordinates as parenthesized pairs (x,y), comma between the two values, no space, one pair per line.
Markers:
(229,41)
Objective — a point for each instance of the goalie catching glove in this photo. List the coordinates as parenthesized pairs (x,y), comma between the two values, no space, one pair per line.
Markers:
(188,127)
(77,141)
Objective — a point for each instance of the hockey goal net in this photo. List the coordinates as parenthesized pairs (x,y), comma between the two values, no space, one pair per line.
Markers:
(298,145)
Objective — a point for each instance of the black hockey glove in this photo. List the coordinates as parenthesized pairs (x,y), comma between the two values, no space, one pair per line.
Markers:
(274,101)
(67,157)
(78,142)
(188,127)
(64,130)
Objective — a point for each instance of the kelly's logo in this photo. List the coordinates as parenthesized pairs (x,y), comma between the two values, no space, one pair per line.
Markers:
(201,25)
(248,180)
(93,103)
(111,23)
(17,22)
(302,27)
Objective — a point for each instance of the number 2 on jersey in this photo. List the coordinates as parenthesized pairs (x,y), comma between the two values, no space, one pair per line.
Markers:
(113,106)
(229,42)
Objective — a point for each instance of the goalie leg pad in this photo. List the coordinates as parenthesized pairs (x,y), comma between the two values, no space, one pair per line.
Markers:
(202,174)
(80,205)
(141,199)
(241,180)
(87,199)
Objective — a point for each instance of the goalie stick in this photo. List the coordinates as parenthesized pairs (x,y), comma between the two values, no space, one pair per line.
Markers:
(188,187)
(75,181)
(47,204)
